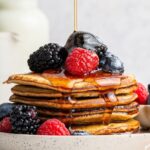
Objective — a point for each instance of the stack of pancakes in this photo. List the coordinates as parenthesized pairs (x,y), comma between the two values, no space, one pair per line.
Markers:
(99,103)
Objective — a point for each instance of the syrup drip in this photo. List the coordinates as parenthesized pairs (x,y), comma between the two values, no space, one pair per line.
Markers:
(73,102)
(109,97)
(98,80)
(94,81)
(75,15)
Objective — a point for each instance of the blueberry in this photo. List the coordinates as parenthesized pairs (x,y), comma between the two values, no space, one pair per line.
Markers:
(5,109)
(84,40)
(80,133)
(111,63)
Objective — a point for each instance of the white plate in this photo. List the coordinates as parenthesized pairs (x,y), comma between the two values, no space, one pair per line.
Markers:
(108,142)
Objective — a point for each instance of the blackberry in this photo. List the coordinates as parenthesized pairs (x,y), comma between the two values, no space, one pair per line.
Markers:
(79,133)
(50,56)
(110,63)
(24,120)
(101,48)
(5,110)
(148,99)
(84,40)
(149,88)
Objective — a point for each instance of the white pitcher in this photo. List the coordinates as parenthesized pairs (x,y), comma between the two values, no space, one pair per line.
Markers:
(23,29)
(27,22)
(8,63)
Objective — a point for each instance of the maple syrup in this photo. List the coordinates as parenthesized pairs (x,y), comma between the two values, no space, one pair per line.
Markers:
(95,80)
(61,79)
(75,15)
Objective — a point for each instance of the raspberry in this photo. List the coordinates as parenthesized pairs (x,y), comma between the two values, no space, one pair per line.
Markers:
(53,127)
(81,61)
(142,94)
(5,125)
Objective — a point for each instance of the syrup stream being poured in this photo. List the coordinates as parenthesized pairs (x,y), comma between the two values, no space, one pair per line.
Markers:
(75,15)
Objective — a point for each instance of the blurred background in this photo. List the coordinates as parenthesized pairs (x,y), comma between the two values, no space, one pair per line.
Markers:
(123,25)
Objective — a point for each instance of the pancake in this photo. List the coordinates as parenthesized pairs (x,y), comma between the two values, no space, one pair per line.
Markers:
(110,101)
(133,107)
(61,82)
(30,91)
(105,118)
(112,128)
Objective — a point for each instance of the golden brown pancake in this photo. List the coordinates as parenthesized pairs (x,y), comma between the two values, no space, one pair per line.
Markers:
(95,118)
(63,83)
(130,109)
(116,114)
(30,91)
(76,104)
(112,128)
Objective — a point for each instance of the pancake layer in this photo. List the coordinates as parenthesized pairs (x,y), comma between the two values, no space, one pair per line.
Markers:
(112,128)
(31,91)
(61,82)
(76,104)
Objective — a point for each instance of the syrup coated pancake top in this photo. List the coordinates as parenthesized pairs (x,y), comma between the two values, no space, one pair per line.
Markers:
(62,82)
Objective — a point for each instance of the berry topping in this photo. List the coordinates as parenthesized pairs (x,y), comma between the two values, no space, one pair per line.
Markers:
(80,133)
(53,127)
(110,63)
(81,62)
(148,100)
(24,119)
(84,40)
(142,94)
(5,125)
(149,88)
(5,110)
(50,56)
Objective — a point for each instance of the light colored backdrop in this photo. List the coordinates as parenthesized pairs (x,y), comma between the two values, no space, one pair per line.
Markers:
(124,25)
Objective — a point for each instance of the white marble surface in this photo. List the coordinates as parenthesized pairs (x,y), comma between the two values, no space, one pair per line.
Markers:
(124,25)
